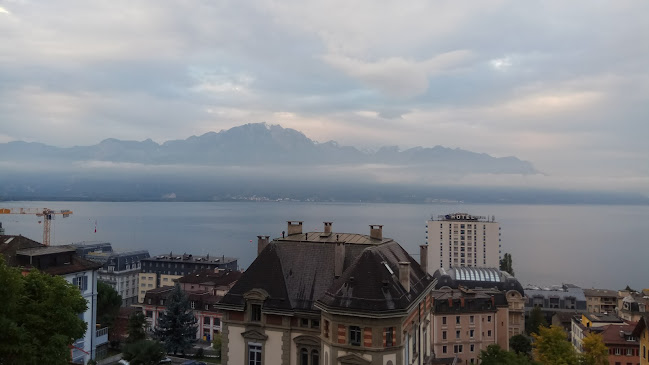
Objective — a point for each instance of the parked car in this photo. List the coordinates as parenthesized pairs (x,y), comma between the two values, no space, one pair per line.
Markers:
(166,360)
(123,362)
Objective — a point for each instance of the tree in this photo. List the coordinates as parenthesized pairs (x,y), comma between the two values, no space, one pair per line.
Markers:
(595,352)
(506,264)
(551,347)
(520,344)
(144,352)
(39,317)
(108,303)
(216,344)
(495,355)
(177,325)
(536,320)
(135,329)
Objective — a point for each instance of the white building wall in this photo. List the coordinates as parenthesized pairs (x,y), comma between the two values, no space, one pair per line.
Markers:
(236,345)
(273,347)
(88,342)
(462,242)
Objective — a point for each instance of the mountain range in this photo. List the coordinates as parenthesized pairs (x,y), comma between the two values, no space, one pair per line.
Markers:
(261,144)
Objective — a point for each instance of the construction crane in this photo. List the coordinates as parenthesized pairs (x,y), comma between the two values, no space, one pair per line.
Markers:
(47,214)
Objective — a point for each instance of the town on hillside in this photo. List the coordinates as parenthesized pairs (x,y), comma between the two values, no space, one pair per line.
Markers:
(312,298)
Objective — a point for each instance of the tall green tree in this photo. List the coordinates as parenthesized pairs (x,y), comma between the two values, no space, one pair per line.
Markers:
(520,344)
(177,325)
(135,329)
(551,347)
(217,342)
(39,317)
(108,303)
(506,264)
(536,320)
(595,351)
(144,352)
(495,355)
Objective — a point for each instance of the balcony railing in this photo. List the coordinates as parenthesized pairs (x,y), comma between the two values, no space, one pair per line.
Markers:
(102,336)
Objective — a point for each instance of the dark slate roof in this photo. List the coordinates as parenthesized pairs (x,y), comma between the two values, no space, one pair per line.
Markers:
(15,249)
(468,300)
(368,285)
(476,277)
(297,273)
(209,277)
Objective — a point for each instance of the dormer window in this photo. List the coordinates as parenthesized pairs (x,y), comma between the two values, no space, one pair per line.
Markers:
(255,312)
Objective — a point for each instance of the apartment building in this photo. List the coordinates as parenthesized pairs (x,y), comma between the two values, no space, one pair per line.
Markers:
(462,240)
(63,261)
(120,269)
(633,306)
(601,300)
(329,298)
(163,270)
(217,282)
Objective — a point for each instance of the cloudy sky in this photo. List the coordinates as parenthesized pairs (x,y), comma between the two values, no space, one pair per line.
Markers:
(564,85)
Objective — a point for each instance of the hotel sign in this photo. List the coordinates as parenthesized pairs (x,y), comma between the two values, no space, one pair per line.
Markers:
(461,217)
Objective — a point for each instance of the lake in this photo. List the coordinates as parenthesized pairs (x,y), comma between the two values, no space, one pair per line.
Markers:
(604,246)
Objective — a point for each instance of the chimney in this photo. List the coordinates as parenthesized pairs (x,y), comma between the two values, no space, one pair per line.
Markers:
(423,257)
(376,231)
(404,275)
(294,227)
(327,227)
(339,259)
(262,242)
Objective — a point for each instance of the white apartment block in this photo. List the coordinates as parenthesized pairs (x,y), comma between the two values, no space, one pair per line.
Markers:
(462,240)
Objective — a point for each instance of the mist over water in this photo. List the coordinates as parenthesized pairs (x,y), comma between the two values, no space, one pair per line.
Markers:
(604,246)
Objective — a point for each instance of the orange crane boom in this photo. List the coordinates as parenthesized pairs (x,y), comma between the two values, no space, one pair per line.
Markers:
(47,214)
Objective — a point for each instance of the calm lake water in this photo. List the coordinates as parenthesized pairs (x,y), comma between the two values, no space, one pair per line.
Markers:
(602,246)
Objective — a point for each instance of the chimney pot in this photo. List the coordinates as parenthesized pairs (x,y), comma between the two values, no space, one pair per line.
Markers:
(404,275)
(327,227)
(262,242)
(339,259)
(376,231)
(423,257)
(294,227)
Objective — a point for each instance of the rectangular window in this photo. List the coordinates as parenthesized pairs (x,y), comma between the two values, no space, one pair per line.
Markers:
(443,320)
(254,353)
(388,336)
(206,320)
(457,319)
(255,312)
(304,322)
(444,350)
(354,335)
(488,318)
(629,352)
(471,332)
(471,319)
(472,347)
(489,333)
(618,351)
(81,282)
(315,323)
(192,304)
(443,335)
(457,334)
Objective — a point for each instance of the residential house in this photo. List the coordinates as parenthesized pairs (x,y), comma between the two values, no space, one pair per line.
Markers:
(634,306)
(623,346)
(63,261)
(584,324)
(329,298)
(218,282)
(641,332)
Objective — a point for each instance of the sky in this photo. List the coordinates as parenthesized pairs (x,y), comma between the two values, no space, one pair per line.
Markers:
(564,85)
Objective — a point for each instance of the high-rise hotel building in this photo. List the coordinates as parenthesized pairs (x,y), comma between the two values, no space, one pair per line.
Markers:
(462,240)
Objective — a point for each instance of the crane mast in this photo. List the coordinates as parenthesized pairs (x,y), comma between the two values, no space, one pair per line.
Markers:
(46,213)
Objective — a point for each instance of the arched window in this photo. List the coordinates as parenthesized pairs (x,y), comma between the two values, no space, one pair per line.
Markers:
(304,357)
(315,357)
